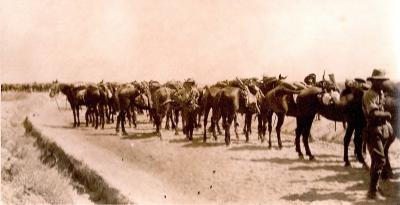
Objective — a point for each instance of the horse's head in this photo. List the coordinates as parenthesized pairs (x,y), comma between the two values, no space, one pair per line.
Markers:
(54,89)
(250,99)
(143,88)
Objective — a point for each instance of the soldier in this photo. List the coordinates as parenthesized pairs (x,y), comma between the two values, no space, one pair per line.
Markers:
(311,79)
(190,88)
(378,133)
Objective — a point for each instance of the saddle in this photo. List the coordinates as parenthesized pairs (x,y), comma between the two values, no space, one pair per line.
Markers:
(328,98)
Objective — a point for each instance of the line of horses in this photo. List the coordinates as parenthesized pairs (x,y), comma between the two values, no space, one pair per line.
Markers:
(226,99)
(25,87)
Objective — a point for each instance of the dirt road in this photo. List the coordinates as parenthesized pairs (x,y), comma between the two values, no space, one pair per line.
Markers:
(173,170)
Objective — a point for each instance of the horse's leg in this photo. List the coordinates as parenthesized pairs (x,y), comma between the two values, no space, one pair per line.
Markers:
(185,118)
(176,116)
(73,113)
(102,119)
(87,117)
(206,111)
(259,127)
(247,125)
(77,115)
(281,119)
(346,142)
(191,120)
(217,124)
(358,142)
(299,130)
(199,114)
(227,126)
(269,118)
(264,126)
(122,118)
(236,125)
(112,112)
(167,120)
(134,118)
(118,122)
(306,134)
(128,115)
(96,112)
(223,125)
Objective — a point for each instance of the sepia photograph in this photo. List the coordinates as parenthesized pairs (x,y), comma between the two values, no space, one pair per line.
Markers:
(200,102)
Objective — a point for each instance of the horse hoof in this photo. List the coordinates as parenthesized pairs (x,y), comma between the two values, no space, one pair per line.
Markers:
(347,164)
(176,133)
(386,175)
(301,156)
(227,142)
(312,158)
(366,167)
(124,133)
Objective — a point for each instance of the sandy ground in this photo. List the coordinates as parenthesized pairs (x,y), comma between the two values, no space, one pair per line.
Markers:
(174,170)
(25,179)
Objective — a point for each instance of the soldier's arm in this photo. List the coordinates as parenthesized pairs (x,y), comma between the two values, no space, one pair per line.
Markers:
(380,114)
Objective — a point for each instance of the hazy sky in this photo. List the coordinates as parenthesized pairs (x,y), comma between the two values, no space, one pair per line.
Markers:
(208,40)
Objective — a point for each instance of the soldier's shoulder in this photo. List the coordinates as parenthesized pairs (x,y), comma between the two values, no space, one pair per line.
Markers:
(370,94)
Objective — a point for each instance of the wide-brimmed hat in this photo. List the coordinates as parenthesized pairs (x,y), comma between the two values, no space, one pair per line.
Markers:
(189,82)
(378,74)
(359,80)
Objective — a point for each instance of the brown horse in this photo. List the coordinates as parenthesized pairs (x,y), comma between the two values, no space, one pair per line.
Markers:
(277,93)
(124,98)
(161,105)
(230,100)
(210,101)
(71,92)
(77,95)
(175,108)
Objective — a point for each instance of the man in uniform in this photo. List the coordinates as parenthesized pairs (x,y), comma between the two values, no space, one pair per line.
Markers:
(311,79)
(378,133)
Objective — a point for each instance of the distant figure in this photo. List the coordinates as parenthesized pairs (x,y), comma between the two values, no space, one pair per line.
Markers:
(190,87)
(378,133)
(311,79)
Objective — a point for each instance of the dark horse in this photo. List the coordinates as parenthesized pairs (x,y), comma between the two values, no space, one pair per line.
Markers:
(161,106)
(125,97)
(277,93)
(348,109)
(351,104)
(210,101)
(229,102)
(77,95)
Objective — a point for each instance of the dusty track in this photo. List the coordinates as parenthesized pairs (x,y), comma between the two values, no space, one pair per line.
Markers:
(174,170)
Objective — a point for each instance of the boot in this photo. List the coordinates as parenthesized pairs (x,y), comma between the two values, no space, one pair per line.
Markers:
(373,192)
(375,195)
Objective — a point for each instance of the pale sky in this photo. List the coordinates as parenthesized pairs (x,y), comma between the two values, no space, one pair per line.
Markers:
(208,40)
